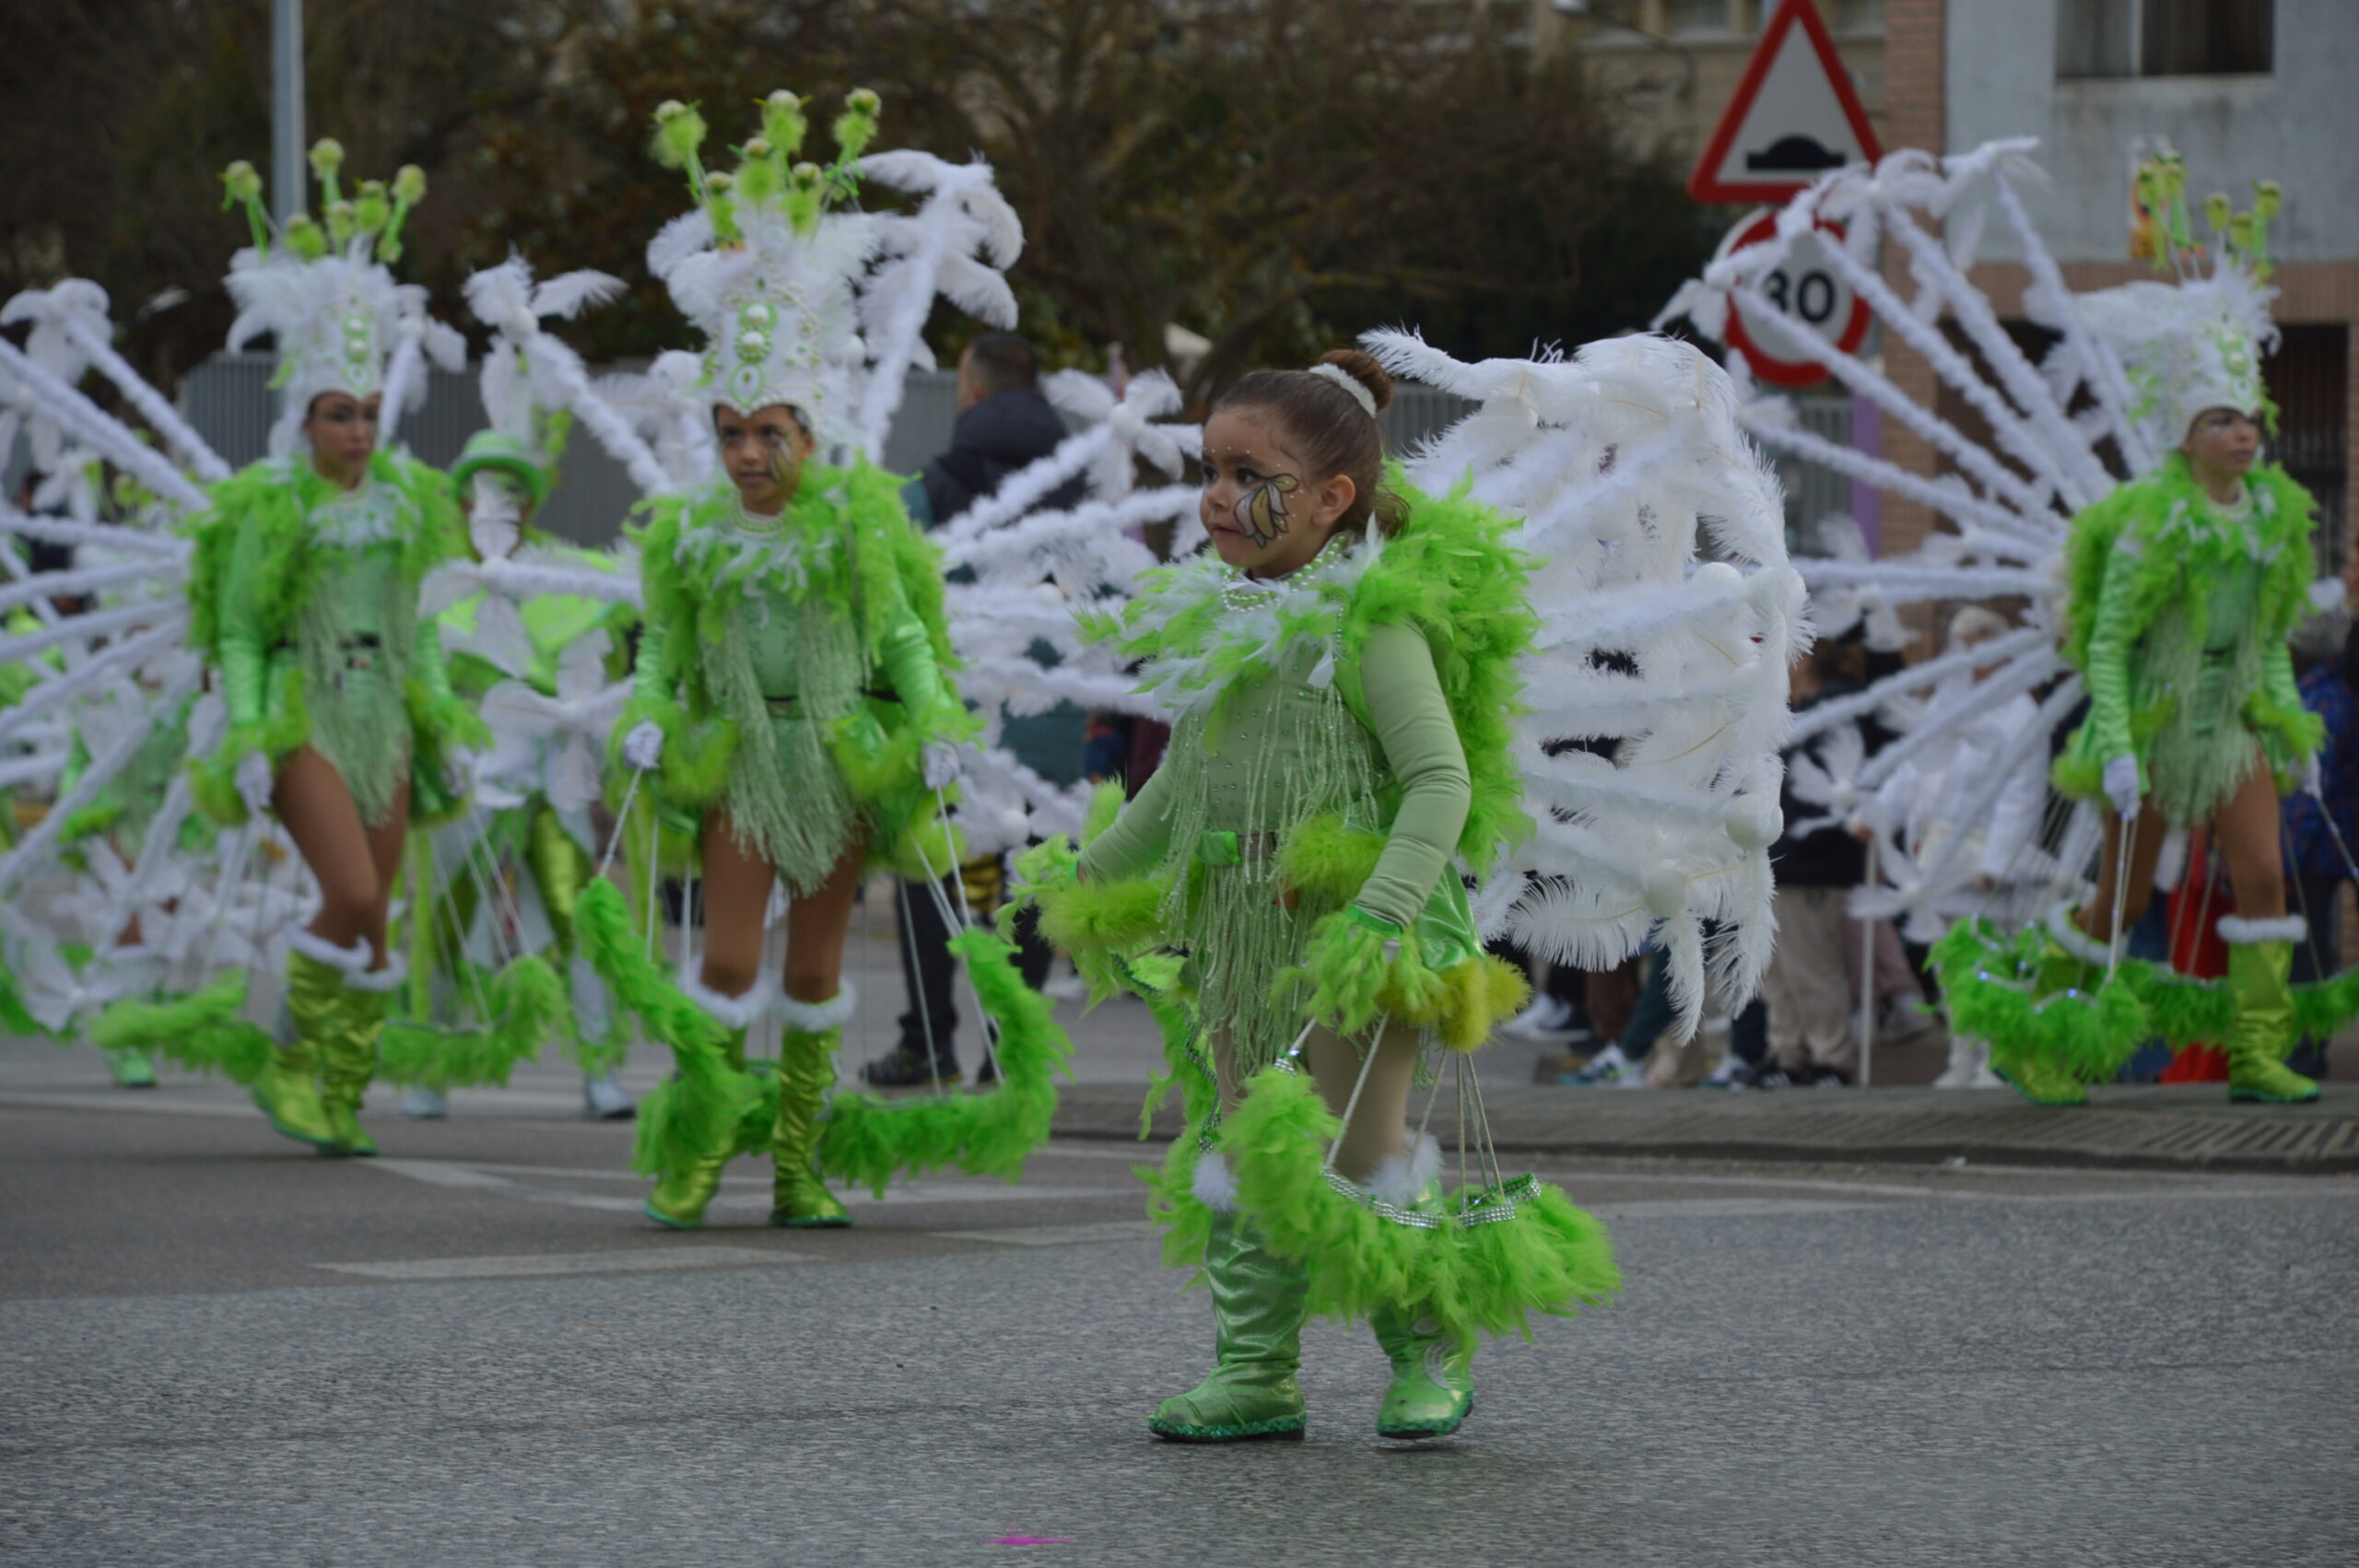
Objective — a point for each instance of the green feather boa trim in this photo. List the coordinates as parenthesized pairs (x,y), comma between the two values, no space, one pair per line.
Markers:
(528,1005)
(1354,977)
(871,1140)
(212,781)
(709,1104)
(1451,574)
(204,1031)
(1987,981)
(1102,924)
(1485,1277)
(1171,1187)
(693,767)
(1327,861)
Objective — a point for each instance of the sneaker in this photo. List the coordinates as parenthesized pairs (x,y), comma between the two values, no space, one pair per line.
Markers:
(1546,1019)
(904,1068)
(1607,1070)
(604,1099)
(1900,1020)
(1734,1073)
(1823,1078)
(425,1105)
(1774,1076)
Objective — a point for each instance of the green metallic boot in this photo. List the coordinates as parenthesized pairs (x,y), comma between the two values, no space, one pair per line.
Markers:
(689,1181)
(1433,1376)
(1258,1308)
(2060,970)
(807,1070)
(288,1090)
(2264,1028)
(348,1057)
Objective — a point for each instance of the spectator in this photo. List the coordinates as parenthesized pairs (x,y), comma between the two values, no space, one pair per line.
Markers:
(1005,423)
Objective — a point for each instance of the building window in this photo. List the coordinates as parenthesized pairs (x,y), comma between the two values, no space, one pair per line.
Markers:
(2164,38)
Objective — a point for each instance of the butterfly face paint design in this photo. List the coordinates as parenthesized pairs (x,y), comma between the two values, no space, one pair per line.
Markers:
(1260,511)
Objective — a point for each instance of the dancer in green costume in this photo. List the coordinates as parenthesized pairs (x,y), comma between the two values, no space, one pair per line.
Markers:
(2185,586)
(792,716)
(304,591)
(1342,671)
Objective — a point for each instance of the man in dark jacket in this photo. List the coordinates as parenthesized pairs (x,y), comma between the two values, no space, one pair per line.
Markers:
(1004,424)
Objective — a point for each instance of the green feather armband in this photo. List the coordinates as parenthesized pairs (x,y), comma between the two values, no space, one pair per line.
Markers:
(212,781)
(697,753)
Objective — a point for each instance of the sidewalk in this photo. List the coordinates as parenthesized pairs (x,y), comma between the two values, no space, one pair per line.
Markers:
(2193,1128)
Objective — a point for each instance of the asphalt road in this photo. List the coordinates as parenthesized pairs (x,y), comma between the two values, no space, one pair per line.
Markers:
(215,1348)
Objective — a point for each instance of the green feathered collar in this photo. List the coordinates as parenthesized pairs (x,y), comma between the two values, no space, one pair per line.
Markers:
(2178,537)
(276,499)
(845,538)
(1450,572)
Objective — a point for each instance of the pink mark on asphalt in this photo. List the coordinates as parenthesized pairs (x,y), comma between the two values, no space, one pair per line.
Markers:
(1030,1540)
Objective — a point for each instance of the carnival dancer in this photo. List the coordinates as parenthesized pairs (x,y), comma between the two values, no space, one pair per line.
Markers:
(1343,668)
(304,592)
(792,714)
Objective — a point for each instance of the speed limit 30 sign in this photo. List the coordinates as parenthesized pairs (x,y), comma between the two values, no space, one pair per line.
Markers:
(1804,287)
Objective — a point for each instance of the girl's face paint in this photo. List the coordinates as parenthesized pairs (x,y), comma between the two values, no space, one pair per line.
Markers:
(1264,518)
(763,452)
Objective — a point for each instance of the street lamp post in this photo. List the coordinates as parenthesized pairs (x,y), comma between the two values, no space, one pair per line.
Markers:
(285,108)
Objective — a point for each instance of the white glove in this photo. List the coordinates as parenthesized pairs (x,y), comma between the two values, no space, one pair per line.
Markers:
(643,747)
(941,764)
(254,782)
(2121,785)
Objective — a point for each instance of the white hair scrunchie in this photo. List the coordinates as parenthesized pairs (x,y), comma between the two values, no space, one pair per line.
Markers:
(1350,383)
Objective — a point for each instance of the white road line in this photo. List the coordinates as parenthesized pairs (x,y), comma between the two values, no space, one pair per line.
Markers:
(1056,1235)
(1724,1208)
(644,1260)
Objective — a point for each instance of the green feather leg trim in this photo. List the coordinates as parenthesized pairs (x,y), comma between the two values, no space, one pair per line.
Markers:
(871,1140)
(709,1103)
(1171,1187)
(1987,983)
(1487,1277)
(2324,1008)
(528,1005)
(204,1031)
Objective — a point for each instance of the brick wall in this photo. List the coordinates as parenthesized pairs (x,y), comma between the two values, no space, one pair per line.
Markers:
(1913,64)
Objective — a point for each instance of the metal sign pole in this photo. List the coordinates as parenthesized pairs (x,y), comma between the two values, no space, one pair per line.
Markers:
(285,108)
(1868,978)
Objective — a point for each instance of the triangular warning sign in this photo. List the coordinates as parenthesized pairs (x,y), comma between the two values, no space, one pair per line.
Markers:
(1794,117)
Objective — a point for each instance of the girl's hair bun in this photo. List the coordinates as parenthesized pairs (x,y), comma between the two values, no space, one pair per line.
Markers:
(1361,366)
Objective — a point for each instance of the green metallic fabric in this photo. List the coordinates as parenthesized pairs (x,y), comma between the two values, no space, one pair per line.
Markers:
(1258,1303)
(807,1070)
(1433,1376)
(2265,1029)
(287,1089)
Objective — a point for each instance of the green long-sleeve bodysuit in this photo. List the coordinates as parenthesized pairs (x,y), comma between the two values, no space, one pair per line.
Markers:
(1373,744)
(2185,650)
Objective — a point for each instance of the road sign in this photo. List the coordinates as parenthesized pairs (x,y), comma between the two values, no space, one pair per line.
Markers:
(1795,116)
(1805,288)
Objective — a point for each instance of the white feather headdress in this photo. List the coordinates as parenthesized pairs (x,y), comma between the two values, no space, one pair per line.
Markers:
(324,295)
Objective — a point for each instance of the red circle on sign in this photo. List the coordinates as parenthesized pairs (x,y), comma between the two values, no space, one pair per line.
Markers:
(1768,367)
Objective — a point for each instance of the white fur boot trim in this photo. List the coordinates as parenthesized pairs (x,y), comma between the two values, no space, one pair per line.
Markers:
(2075,941)
(389,978)
(319,949)
(2237,931)
(1401,1179)
(729,1011)
(1213,1184)
(818,1017)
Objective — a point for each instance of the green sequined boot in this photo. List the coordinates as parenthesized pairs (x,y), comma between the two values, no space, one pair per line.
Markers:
(2040,1082)
(2264,1029)
(1258,1308)
(689,1181)
(288,1090)
(807,1070)
(1433,1376)
(348,1061)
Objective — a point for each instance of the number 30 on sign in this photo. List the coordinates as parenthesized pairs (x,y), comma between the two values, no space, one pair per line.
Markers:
(1805,289)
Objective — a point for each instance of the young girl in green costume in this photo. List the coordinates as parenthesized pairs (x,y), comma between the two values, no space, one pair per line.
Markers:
(305,604)
(791,716)
(2185,586)
(1341,669)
